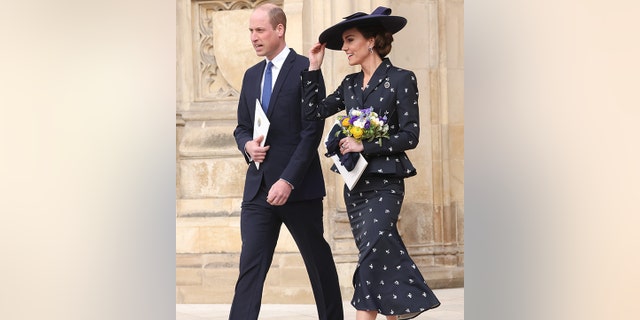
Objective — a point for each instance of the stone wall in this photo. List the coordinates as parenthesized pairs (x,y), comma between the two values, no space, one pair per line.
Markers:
(213,51)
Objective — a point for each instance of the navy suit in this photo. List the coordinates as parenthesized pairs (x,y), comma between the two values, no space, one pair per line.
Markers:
(293,156)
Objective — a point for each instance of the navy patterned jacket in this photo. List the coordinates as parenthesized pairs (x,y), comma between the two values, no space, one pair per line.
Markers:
(393,92)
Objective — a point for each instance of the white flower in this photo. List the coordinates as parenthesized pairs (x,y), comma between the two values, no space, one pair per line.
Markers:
(359,123)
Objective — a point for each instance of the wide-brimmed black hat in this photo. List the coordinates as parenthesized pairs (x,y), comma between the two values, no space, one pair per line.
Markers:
(381,16)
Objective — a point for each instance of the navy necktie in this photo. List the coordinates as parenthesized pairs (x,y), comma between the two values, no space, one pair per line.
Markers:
(266,88)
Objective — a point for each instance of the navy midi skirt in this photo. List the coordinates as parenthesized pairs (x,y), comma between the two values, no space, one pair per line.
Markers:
(386,279)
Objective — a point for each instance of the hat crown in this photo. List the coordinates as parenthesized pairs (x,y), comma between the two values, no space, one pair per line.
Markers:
(379,11)
(355,15)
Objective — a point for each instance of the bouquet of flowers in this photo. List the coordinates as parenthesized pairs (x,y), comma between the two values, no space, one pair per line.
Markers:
(364,124)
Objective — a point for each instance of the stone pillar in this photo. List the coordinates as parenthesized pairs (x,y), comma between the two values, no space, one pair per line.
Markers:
(433,215)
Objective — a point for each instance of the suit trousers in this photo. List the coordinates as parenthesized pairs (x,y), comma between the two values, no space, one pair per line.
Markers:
(260,227)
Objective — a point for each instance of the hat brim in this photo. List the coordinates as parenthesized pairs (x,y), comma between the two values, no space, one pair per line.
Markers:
(333,35)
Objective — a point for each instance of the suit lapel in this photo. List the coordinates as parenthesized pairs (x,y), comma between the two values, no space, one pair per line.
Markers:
(257,85)
(379,77)
(357,85)
(282,76)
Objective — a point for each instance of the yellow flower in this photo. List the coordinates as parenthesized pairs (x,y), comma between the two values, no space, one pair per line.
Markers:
(345,122)
(356,132)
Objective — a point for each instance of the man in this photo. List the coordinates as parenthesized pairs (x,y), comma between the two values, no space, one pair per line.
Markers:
(288,186)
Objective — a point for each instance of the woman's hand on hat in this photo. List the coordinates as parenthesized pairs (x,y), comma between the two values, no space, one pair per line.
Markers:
(316,55)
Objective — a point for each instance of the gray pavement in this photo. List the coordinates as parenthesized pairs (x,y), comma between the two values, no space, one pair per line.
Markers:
(452,308)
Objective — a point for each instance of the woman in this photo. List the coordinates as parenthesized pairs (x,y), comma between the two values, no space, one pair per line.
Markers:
(386,280)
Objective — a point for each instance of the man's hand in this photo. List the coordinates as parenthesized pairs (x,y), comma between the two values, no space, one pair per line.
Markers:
(255,151)
(279,193)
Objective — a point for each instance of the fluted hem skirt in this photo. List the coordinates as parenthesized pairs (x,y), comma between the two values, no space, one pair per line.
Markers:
(386,279)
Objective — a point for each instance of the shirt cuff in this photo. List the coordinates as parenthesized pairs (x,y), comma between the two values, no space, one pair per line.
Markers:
(247,155)
(289,183)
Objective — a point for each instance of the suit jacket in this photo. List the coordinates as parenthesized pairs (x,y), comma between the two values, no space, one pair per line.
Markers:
(393,92)
(293,140)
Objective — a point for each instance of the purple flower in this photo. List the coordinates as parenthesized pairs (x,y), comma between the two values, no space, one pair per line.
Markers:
(370,125)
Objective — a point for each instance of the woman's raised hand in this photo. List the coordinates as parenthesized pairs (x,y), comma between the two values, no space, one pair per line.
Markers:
(316,55)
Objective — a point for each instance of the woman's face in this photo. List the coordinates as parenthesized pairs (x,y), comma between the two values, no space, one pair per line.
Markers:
(356,46)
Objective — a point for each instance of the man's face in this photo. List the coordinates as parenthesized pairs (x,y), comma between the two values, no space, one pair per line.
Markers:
(266,40)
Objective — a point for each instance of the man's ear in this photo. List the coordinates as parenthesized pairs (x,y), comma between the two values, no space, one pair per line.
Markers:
(280,29)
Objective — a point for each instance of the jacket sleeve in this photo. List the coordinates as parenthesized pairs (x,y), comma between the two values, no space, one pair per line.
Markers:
(405,134)
(313,105)
(244,130)
(310,137)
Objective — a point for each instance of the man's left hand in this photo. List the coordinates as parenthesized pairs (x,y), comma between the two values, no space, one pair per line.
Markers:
(279,193)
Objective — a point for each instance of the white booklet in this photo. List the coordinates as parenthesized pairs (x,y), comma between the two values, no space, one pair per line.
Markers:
(350,177)
(260,126)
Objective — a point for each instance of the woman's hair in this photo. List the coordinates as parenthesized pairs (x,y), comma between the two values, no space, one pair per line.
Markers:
(382,38)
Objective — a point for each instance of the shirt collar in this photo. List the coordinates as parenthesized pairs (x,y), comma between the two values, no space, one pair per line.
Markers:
(278,61)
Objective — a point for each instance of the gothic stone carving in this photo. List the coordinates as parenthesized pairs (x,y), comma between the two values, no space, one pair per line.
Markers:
(221,26)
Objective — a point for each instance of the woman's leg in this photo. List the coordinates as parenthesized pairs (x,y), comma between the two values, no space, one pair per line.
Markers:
(366,315)
(371,315)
